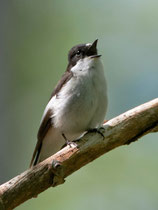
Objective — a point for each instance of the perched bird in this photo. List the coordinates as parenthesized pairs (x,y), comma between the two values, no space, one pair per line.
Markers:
(77,104)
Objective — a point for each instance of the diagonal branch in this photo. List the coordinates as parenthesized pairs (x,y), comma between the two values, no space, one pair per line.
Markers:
(121,130)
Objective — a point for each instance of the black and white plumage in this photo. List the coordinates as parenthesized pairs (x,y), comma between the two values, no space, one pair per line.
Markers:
(77,104)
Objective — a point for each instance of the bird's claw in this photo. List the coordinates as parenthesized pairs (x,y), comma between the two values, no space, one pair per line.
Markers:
(97,130)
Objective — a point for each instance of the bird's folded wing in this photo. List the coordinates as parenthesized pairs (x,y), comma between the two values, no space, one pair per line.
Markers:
(47,119)
(44,127)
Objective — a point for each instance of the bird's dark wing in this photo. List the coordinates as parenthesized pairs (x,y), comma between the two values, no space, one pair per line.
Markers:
(44,127)
(65,78)
(47,120)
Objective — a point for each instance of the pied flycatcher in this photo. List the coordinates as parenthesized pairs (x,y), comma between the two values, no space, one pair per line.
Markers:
(77,104)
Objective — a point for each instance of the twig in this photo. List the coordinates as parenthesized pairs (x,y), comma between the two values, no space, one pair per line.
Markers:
(121,130)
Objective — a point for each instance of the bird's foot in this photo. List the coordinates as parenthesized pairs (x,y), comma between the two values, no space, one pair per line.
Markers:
(71,143)
(68,142)
(97,130)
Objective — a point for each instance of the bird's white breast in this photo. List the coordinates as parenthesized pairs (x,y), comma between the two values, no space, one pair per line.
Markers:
(81,103)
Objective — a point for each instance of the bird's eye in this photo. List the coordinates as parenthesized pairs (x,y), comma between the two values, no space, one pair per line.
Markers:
(78,52)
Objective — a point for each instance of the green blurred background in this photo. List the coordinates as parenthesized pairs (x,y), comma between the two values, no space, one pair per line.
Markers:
(34,40)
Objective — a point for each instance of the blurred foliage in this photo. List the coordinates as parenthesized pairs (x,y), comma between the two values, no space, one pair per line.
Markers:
(35,38)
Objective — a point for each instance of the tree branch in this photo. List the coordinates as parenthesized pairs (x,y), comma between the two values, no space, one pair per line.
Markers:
(121,130)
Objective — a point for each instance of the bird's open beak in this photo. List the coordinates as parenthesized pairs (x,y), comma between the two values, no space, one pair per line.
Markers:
(95,56)
(92,51)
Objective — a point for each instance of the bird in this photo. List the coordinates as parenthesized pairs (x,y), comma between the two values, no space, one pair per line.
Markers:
(78,103)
